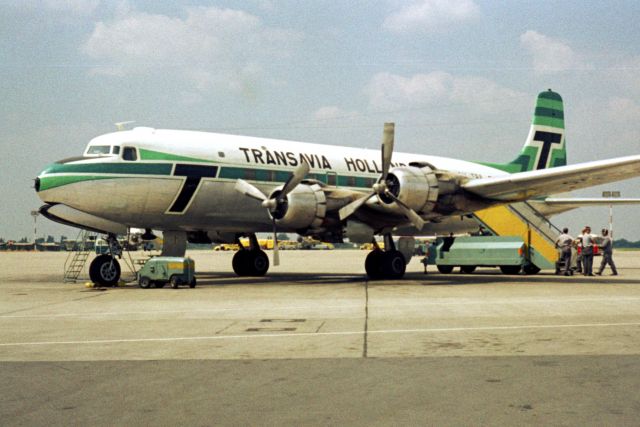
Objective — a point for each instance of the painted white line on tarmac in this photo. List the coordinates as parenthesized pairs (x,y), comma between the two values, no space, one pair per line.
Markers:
(319,334)
(272,309)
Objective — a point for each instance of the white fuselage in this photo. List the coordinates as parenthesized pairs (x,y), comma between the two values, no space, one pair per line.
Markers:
(151,190)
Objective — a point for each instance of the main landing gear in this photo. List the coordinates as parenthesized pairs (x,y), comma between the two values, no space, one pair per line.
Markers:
(250,261)
(104,270)
(387,264)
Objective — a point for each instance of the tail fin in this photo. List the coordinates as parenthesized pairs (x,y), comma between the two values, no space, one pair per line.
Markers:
(545,146)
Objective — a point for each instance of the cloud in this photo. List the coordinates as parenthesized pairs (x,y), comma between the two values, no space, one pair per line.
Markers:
(388,91)
(550,55)
(333,112)
(210,47)
(431,15)
(623,110)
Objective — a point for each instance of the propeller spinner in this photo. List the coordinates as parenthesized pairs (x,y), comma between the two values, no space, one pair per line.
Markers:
(382,187)
(276,205)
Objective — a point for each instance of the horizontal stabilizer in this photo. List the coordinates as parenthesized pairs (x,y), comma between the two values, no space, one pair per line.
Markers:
(557,205)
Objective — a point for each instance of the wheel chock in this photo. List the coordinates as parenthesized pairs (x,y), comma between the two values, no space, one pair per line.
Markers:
(89,285)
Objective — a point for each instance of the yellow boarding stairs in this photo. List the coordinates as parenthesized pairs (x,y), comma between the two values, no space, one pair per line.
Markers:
(523,220)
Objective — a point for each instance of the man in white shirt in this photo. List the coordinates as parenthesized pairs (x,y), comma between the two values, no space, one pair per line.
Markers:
(606,244)
(588,241)
(564,243)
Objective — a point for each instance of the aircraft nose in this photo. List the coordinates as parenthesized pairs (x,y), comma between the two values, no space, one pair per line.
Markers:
(37,184)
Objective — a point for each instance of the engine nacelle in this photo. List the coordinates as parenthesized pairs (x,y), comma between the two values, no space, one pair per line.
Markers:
(416,187)
(305,208)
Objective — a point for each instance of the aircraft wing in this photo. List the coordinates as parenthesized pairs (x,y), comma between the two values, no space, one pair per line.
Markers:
(525,185)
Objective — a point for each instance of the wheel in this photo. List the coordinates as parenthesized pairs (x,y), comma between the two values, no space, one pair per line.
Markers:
(239,262)
(258,264)
(393,265)
(510,269)
(373,264)
(445,269)
(104,270)
(468,269)
(192,284)
(175,282)
(531,269)
(144,282)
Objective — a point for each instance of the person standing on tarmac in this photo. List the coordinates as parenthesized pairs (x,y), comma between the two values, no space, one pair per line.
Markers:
(564,243)
(606,245)
(587,251)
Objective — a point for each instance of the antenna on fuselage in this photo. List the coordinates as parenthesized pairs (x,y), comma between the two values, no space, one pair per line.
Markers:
(121,125)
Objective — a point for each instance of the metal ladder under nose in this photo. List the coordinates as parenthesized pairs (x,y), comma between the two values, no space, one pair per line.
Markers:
(77,259)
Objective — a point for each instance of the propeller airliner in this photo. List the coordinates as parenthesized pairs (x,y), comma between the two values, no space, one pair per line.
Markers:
(208,187)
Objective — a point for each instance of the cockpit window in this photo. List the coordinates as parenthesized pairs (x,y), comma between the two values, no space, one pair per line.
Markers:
(116,149)
(99,149)
(129,153)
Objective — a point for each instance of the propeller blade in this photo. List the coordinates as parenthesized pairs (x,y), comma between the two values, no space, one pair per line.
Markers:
(348,210)
(387,148)
(247,189)
(408,212)
(276,253)
(298,175)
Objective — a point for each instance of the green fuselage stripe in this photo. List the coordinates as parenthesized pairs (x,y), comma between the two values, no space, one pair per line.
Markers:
(134,168)
(159,155)
(53,176)
(48,182)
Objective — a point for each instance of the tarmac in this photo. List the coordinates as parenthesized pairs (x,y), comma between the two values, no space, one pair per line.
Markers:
(315,343)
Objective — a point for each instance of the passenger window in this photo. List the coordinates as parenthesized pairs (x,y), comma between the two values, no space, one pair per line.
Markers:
(129,153)
(116,149)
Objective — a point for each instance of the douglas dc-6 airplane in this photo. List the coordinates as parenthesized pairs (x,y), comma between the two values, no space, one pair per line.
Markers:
(204,187)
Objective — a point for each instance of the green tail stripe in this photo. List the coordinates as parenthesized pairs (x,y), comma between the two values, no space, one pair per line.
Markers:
(549,103)
(550,95)
(548,112)
(548,121)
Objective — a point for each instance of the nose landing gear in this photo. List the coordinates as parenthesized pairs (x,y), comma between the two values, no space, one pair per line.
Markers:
(105,269)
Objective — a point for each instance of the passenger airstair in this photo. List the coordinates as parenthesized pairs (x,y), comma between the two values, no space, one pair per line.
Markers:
(523,220)
(77,258)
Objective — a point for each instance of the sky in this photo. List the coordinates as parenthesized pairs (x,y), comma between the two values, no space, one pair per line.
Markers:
(458,77)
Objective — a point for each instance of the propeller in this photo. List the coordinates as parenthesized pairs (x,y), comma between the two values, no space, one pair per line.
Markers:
(276,205)
(381,187)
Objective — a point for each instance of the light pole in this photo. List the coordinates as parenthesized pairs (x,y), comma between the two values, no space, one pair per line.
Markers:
(610,194)
(35,214)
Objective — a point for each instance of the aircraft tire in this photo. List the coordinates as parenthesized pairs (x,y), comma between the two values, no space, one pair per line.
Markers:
(467,269)
(240,262)
(258,263)
(445,269)
(393,265)
(373,264)
(510,269)
(104,270)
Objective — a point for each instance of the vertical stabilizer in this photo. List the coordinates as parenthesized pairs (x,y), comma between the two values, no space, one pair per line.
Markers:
(545,146)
